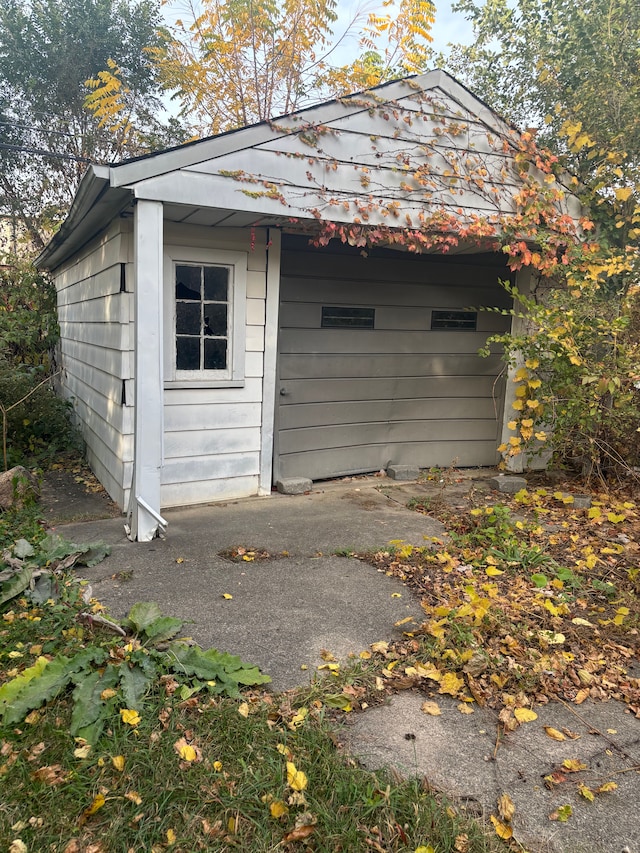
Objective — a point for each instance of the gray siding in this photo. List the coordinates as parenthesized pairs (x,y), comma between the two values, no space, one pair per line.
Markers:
(355,400)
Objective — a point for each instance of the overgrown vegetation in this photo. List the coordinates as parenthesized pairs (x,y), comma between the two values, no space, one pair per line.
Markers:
(526,601)
(35,422)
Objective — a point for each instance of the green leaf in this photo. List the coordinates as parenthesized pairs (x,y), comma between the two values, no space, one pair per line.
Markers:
(95,553)
(540,580)
(23,549)
(42,687)
(90,710)
(143,614)
(134,684)
(228,671)
(11,689)
(16,584)
(163,629)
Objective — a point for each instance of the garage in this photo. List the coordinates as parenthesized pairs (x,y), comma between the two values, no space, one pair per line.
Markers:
(378,360)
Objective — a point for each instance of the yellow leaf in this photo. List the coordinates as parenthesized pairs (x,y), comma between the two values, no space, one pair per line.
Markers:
(502,830)
(131,718)
(381,647)
(108,693)
(521,374)
(615,519)
(518,405)
(623,193)
(401,622)
(586,792)
(296,778)
(134,796)
(217,766)
(506,808)
(532,363)
(465,708)
(423,849)
(365,655)
(579,621)
(118,762)
(98,802)
(525,715)
(227,596)
(581,695)
(594,512)
(278,809)
(450,683)
(492,572)
(243,709)
(83,750)
(428,671)
(512,425)
(187,752)
(431,708)
(396,595)
(298,718)
(554,733)
(573,765)
(607,787)
(171,837)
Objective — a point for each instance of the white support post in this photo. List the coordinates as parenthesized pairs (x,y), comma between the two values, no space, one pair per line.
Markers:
(270,359)
(144,505)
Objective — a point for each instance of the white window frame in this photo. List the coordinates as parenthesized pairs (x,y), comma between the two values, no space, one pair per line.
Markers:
(234,374)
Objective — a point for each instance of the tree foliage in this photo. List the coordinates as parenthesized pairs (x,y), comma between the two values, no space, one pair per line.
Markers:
(236,62)
(48,49)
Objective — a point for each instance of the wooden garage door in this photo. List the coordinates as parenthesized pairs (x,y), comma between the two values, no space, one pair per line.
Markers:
(378,361)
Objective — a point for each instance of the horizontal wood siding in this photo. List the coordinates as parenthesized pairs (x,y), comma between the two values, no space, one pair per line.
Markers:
(95,345)
(354,400)
(212,435)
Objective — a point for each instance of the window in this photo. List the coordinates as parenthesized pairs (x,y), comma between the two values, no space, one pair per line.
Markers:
(349,318)
(205,295)
(202,317)
(454,320)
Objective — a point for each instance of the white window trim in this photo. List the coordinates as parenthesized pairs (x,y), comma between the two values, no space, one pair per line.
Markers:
(234,375)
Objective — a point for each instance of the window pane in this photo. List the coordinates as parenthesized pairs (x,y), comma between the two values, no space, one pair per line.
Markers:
(337,317)
(215,320)
(454,320)
(188,320)
(215,354)
(188,282)
(187,353)
(216,280)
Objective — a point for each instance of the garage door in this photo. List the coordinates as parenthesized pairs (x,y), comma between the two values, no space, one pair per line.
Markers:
(378,361)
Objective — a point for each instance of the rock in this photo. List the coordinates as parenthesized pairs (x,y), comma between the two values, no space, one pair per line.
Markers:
(18,486)
(294,486)
(403,472)
(507,484)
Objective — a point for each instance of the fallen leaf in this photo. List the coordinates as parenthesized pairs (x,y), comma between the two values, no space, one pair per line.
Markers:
(83,750)
(586,792)
(574,765)
(227,596)
(381,647)
(423,849)
(581,695)
(299,833)
(130,717)
(18,846)
(492,572)
(466,708)
(428,671)
(554,733)
(562,814)
(243,709)
(296,778)
(461,843)
(96,805)
(187,751)
(51,775)
(450,683)
(525,715)
(217,766)
(171,837)
(134,796)
(431,708)
(506,808)
(503,830)
(118,762)
(607,787)
(278,809)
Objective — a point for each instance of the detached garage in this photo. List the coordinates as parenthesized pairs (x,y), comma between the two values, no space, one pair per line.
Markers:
(378,360)
(225,322)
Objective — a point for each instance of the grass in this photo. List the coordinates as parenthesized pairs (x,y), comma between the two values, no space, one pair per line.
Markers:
(262,772)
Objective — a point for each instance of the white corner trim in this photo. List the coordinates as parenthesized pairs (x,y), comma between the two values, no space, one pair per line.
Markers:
(270,358)
(144,504)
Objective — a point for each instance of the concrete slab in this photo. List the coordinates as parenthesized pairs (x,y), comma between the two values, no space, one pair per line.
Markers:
(463,756)
(284,609)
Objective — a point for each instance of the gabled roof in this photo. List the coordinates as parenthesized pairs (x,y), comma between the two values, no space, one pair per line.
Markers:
(318,162)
